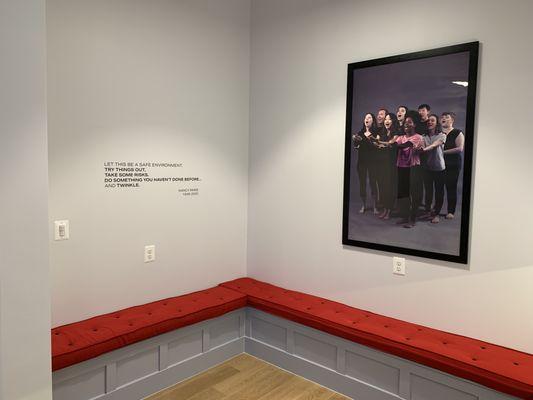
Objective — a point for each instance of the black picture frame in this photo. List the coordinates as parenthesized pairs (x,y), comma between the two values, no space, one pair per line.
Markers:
(358,229)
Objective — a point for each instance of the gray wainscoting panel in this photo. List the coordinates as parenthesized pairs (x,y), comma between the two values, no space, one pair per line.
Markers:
(85,386)
(184,347)
(269,333)
(315,350)
(426,389)
(373,372)
(224,331)
(137,366)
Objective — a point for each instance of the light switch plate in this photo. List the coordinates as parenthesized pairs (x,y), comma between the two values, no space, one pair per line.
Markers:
(149,253)
(61,230)
(398,265)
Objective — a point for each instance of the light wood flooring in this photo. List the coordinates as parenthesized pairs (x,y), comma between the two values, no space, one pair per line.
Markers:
(246,378)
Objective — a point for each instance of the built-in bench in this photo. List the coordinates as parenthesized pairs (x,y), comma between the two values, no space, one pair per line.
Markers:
(502,369)
(80,341)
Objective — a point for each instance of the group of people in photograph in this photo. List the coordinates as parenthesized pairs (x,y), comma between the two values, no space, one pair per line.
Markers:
(410,159)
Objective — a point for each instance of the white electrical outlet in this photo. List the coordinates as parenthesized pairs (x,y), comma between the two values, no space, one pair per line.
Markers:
(61,230)
(149,253)
(398,265)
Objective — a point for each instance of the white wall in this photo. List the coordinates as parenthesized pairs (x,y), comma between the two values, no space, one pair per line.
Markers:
(300,51)
(156,81)
(24,270)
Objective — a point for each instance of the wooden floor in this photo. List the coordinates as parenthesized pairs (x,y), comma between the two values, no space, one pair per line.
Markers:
(246,378)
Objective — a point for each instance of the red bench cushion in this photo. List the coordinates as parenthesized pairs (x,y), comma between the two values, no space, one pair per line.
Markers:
(500,368)
(83,340)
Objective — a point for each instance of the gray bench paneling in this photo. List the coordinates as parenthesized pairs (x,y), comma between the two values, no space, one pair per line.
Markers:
(81,387)
(224,331)
(426,389)
(373,372)
(135,367)
(268,333)
(184,348)
(318,351)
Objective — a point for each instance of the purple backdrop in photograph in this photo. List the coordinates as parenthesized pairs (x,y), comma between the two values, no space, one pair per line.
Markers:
(411,83)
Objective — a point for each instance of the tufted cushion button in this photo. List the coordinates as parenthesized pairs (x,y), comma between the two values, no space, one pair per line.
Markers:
(165,304)
(474,359)
(95,329)
(149,313)
(308,308)
(179,310)
(515,363)
(419,329)
(56,333)
(367,316)
(117,316)
(483,348)
(337,312)
(385,326)
(407,338)
(130,324)
(444,343)
(71,344)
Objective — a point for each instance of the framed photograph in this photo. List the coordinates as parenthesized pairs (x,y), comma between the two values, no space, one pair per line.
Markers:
(408,152)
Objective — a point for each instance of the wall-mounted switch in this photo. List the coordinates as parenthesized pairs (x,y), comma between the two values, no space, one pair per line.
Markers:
(149,253)
(398,265)
(61,230)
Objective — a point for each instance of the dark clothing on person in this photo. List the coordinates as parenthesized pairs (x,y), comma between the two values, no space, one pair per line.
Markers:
(433,161)
(453,168)
(381,132)
(453,160)
(437,179)
(386,173)
(451,178)
(422,128)
(366,166)
(427,182)
(409,191)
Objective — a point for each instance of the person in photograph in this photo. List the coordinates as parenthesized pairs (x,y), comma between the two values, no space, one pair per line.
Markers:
(434,167)
(380,118)
(400,114)
(453,150)
(423,111)
(366,160)
(386,166)
(408,147)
